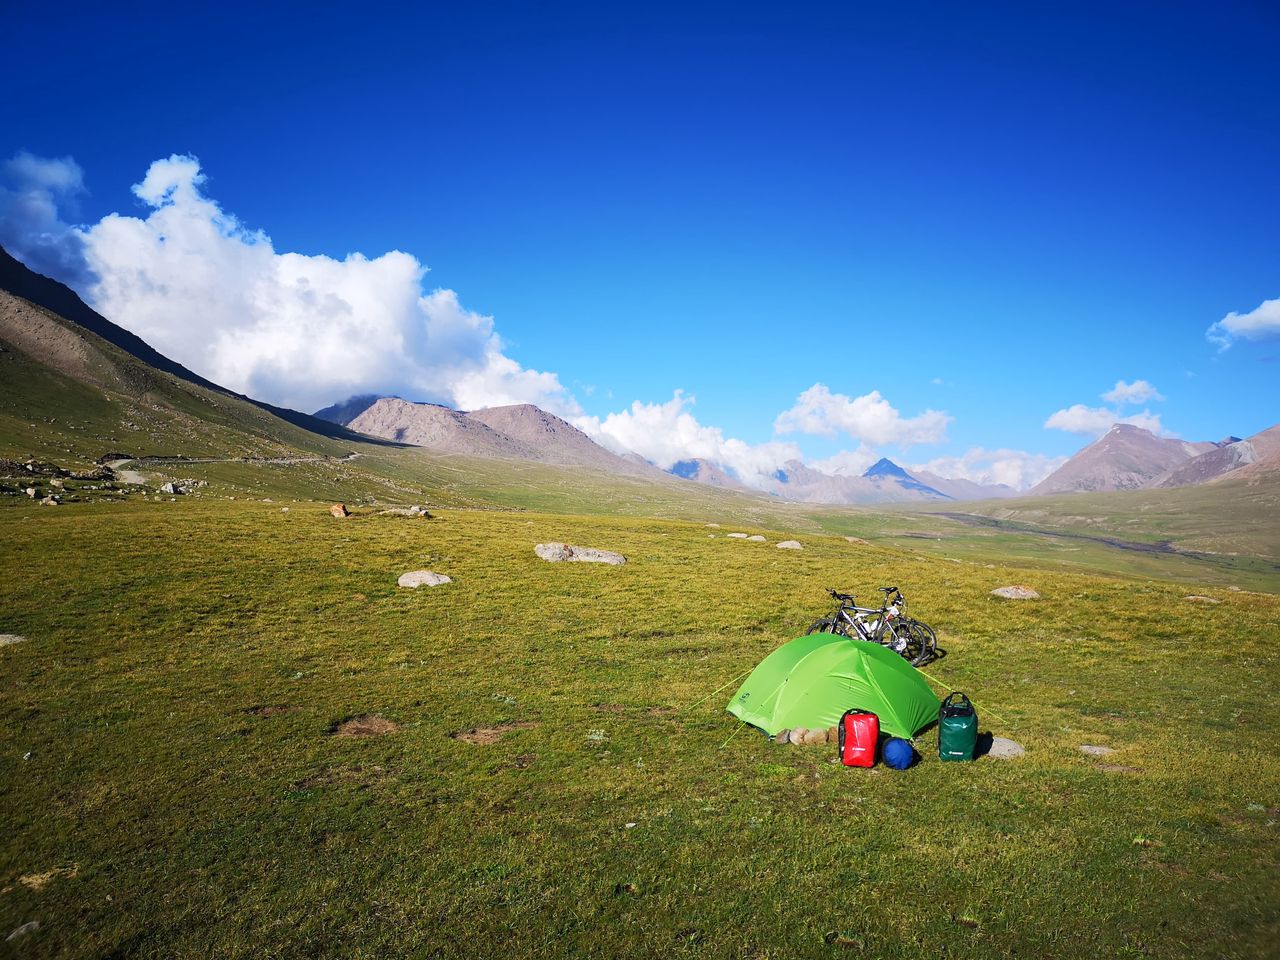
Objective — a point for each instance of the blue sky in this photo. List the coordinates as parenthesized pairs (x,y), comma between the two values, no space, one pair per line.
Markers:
(990,211)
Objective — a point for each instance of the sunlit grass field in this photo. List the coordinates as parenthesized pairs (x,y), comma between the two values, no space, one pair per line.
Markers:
(171,785)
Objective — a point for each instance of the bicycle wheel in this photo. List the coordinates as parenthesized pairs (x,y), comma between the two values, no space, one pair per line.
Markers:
(922,642)
(825,625)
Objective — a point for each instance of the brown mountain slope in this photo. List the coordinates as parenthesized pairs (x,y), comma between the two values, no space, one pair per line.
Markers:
(554,440)
(1125,458)
(436,428)
(1265,449)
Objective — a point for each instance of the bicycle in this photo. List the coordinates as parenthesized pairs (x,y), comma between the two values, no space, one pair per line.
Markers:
(913,640)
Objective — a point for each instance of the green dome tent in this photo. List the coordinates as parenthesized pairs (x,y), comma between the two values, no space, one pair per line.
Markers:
(811,681)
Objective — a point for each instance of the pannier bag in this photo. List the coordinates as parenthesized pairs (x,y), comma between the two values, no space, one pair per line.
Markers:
(859,735)
(957,728)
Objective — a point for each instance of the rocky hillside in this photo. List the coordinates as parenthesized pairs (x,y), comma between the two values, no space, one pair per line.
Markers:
(517,432)
(1125,458)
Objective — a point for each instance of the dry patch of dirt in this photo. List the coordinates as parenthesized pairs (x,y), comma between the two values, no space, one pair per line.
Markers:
(360,775)
(369,725)
(484,736)
(38,881)
(271,710)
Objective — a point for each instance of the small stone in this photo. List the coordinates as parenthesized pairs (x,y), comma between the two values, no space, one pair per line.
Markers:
(171,488)
(1003,748)
(23,930)
(1096,751)
(756,539)
(339,510)
(631,825)
(797,735)
(737,536)
(782,737)
(8,638)
(422,578)
(50,501)
(30,492)
(284,509)
(1015,592)
(1197,598)
(56,483)
(790,545)
(858,540)
(813,738)
(714,526)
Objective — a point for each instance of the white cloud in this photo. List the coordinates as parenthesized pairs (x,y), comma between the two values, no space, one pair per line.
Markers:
(33,193)
(1137,392)
(848,463)
(297,330)
(1095,421)
(1014,468)
(868,418)
(666,433)
(1262,321)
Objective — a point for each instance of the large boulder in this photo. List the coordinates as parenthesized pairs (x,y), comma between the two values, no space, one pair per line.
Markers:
(790,545)
(1015,592)
(557,552)
(422,578)
(1002,748)
(339,510)
(756,539)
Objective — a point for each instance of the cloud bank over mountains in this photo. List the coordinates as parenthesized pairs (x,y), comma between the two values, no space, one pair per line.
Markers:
(304,331)
(1095,421)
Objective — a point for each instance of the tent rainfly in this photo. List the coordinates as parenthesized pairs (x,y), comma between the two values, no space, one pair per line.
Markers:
(811,681)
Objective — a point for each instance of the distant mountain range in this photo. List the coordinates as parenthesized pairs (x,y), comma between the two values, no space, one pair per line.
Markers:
(1130,458)
(526,432)
(55,329)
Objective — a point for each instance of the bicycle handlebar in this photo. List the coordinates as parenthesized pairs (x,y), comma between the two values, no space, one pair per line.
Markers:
(841,596)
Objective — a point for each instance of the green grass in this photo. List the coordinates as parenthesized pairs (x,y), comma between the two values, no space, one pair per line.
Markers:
(185,825)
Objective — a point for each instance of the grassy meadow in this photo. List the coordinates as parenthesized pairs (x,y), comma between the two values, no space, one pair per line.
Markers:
(173,786)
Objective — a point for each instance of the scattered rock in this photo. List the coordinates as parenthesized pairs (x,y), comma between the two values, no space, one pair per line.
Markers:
(50,501)
(23,930)
(813,738)
(484,736)
(1015,592)
(422,578)
(714,526)
(796,735)
(1233,588)
(414,511)
(737,536)
(30,492)
(368,725)
(8,638)
(284,509)
(756,539)
(171,488)
(556,552)
(859,540)
(1003,748)
(339,510)
(1196,598)
(1096,751)
(782,737)
(57,483)
(790,545)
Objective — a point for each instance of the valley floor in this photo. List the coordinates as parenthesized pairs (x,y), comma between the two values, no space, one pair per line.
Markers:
(173,785)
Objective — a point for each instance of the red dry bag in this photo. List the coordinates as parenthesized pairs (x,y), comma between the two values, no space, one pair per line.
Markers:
(859,734)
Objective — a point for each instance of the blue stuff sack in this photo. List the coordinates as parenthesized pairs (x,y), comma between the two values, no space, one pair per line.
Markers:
(897,753)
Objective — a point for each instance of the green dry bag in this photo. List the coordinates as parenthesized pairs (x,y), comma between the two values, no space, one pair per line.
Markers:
(957,728)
